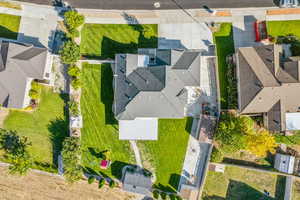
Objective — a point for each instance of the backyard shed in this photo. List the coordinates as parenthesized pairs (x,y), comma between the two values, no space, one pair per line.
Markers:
(284,163)
(137,182)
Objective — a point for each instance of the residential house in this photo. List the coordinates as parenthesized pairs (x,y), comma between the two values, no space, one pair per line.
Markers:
(21,63)
(150,85)
(269,85)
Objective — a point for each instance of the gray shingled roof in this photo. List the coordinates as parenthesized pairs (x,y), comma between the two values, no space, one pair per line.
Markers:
(267,84)
(18,62)
(155,90)
(137,182)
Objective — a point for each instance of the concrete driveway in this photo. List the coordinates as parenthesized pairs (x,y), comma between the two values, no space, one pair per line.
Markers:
(37,31)
(184,36)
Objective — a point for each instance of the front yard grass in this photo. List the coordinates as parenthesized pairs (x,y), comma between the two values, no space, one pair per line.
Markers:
(9,26)
(46,127)
(167,154)
(283,28)
(238,183)
(100,129)
(105,40)
(225,46)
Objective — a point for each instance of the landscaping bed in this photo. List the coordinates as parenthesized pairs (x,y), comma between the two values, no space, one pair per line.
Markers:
(100,128)
(238,183)
(46,127)
(105,40)
(9,26)
(223,39)
(167,154)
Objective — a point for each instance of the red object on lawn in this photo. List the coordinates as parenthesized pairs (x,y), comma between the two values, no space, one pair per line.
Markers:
(104,164)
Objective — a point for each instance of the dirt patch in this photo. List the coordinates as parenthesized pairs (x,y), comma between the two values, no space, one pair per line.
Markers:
(3,115)
(38,186)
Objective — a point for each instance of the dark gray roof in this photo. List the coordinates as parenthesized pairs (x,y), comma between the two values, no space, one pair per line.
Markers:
(18,63)
(268,84)
(155,90)
(137,182)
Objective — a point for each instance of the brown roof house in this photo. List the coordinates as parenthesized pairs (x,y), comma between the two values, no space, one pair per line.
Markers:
(269,85)
(20,64)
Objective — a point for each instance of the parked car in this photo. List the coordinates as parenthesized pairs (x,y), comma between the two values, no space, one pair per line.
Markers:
(288,3)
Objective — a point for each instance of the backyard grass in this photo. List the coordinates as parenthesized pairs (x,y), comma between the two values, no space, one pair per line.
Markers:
(168,152)
(9,26)
(46,127)
(100,129)
(105,40)
(225,46)
(296,189)
(242,184)
(283,28)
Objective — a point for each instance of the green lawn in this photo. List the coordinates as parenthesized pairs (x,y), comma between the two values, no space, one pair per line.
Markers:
(225,46)
(283,28)
(9,26)
(242,184)
(45,127)
(168,152)
(100,129)
(105,40)
(296,189)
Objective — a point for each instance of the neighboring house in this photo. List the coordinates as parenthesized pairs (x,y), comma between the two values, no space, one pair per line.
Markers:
(269,85)
(21,63)
(150,85)
(284,163)
(137,182)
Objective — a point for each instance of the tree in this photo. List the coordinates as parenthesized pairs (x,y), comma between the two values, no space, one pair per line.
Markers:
(74,108)
(216,155)
(76,83)
(101,183)
(112,184)
(232,131)
(71,159)
(16,152)
(70,52)
(261,143)
(33,94)
(73,19)
(74,71)
(91,179)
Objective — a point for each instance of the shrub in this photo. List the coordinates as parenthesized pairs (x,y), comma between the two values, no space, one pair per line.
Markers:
(71,159)
(155,194)
(76,83)
(91,179)
(15,148)
(295,48)
(73,19)
(35,85)
(216,155)
(74,71)
(33,94)
(101,183)
(112,184)
(74,108)
(70,52)
(73,33)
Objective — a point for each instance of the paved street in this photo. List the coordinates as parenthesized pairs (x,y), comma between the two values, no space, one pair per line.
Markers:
(164,4)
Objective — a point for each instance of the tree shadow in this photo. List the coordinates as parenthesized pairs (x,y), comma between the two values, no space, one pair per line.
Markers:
(117,167)
(164,188)
(6,33)
(59,129)
(97,154)
(174,181)
(107,93)
(280,187)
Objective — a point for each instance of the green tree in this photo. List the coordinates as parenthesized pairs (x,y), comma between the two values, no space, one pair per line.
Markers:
(70,52)
(74,71)
(33,94)
(232,130)
(91,179)
(216,155)
(73,19)
(101,183)
(74,108)
(76,83)
(16,152)
(112,184)
(71,159)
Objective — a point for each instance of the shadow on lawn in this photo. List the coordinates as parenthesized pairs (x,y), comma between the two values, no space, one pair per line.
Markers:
(241,191)
(6,33)
(59,129)
(106,93)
